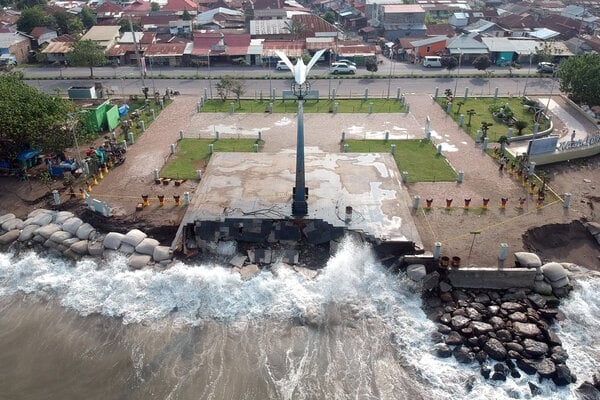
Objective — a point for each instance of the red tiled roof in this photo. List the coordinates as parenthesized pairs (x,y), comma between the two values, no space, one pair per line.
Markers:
(165,49)
(148,37)
(64,39)
(290,48)
(180,5)
(39,31)
(235,44)
(108,7)
(313,24)
(120,49)
(159,20)
(440,30)
(139,6)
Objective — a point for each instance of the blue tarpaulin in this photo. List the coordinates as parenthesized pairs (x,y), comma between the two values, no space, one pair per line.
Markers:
(123,110)
(28,154)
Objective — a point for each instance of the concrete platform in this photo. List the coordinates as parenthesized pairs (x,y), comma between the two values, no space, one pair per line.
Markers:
(258,185)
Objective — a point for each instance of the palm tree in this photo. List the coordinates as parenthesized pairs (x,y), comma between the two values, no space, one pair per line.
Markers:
(520,125)
(295,29)
(470,113)
(484,129)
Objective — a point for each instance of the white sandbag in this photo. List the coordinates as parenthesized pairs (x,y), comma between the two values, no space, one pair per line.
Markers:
(554,272)
(71,225)
(62,216)
(134,237)
(529,260)
(86,231)
(95,248)
(80,247)
(6,217)
(38,211)
(126,248)
(147,246)
(27,232)
(162,253)
(9,237)
(47,230)
(113,240)
(137,261)
(560,283)
(60,236)
(13,223)
(40,219)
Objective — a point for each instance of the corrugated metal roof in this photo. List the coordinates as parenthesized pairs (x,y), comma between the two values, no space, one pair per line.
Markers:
(58,47)
(102,33)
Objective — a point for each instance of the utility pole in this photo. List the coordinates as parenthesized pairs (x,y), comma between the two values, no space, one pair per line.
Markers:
(137,51)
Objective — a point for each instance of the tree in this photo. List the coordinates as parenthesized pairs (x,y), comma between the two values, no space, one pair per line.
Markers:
(449,63)
(371,64)
(520,125)
(578,76)
(296,29)
(75,27)
(482,63)
(238,88)
(186,16)
(224,85)
(86,53)
(24,4)
(485,126)
(470,113)
(88,17)
(32,118)
(329,16)
(124,26)
(32,17)
(154,6)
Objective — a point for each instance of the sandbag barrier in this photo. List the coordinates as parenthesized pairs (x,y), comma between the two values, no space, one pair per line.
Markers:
(61,232)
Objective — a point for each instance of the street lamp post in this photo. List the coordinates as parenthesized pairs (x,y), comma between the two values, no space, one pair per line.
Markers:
(458,71)
(209,76)
(528,72)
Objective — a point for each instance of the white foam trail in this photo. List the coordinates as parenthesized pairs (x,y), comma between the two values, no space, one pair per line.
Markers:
(378,309)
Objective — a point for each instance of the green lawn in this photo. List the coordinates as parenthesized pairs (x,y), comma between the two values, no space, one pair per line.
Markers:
(310,106)
(482,114)
(193,154)
(418,157)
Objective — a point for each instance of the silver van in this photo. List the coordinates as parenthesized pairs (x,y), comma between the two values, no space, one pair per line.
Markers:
(432,61)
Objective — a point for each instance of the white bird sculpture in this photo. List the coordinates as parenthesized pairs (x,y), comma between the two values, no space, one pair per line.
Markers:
(300,70)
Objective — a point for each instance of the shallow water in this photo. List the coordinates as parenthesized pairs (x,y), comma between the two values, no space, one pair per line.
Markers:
(100,331)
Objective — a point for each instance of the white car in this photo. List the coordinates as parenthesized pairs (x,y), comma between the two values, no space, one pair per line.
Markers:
(347,62)
(339,68)
(282,66)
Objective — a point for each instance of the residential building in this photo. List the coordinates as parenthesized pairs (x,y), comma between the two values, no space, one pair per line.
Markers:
(402,20)
(58,47)
(16,44)
(42,35)
(105,36)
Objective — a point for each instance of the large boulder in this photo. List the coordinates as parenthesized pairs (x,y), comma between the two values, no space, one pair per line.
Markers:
(526,330)
(495,349)
(71,225)
(535,349)
(134,237)
(481,327)
(416,272)
(112,240)
(9,237)
(545,368)
(563,375)
(249,271)
(147,246)
(459,321)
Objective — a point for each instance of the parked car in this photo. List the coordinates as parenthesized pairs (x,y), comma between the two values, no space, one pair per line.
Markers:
(339,68)
(239,61)
(347,62)
(546,67)
(282,66)
(432,61)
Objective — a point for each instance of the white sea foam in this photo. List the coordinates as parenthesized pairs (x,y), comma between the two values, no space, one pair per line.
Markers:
(380,310)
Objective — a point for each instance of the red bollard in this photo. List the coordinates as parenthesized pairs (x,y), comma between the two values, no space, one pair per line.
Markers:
(176,198)
(448,203)
(467,204)
(146,202)
(428,203)
(161,200)
(485,204)
(503,202)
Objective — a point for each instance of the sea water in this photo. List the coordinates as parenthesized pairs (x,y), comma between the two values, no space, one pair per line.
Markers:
(98,330)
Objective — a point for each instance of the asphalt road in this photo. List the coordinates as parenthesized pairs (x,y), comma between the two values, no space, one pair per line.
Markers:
(391,78)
